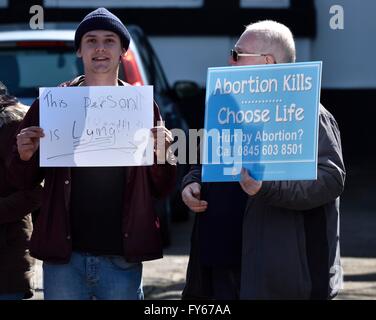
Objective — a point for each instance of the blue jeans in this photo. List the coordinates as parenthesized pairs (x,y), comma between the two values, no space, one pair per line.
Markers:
(88,277)
(12,296)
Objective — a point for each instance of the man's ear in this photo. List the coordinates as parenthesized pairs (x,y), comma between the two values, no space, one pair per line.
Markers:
(78,53)
(123,53)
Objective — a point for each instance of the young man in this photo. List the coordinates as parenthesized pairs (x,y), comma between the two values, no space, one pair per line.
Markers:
(290,229)
(96,225)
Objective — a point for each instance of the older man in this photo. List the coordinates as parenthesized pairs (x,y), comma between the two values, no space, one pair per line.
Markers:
(290,229)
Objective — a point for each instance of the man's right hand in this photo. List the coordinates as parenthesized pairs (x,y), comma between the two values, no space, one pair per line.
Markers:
(28,142)
(191,197)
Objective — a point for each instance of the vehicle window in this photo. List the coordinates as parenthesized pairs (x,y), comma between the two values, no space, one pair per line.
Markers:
(153,68)
(130,70)
(25,70)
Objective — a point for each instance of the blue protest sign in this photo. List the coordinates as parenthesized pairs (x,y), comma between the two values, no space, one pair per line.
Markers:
(263,118)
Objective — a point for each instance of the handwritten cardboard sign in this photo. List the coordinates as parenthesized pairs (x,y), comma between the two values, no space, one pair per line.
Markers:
(96,126)
(262,118)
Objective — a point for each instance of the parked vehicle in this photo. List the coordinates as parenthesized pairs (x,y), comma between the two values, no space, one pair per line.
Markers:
(30,59)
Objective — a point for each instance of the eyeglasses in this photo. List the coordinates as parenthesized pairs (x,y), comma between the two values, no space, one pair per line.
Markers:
(235,55)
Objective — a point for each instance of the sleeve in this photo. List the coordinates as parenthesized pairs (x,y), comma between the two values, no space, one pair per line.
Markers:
(194,175)
(25,174)
(19,204)
(308,194)
(162,176)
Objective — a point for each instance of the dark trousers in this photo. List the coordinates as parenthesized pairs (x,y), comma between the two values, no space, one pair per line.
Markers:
(225,283)
(209,282)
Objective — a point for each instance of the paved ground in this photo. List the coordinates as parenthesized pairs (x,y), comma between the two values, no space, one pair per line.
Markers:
(358,233)
(164,279)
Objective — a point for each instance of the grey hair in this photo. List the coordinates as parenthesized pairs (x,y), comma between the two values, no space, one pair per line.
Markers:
(12,113)
(276,37)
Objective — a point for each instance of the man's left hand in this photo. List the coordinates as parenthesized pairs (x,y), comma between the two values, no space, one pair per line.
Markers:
(248,184)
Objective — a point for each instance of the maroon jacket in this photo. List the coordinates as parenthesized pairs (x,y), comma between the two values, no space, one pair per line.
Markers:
(51,239)
(15,219)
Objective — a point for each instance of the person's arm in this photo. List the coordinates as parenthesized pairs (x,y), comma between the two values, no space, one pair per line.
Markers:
(308,194)
(18,204)
(24,172)
(162,176)
(193,176)
(191,190)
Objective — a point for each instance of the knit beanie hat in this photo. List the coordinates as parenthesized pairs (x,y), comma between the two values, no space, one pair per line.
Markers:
(102,19)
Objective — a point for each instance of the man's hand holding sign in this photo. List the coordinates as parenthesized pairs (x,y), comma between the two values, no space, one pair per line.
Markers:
(248,184)
(28,142)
